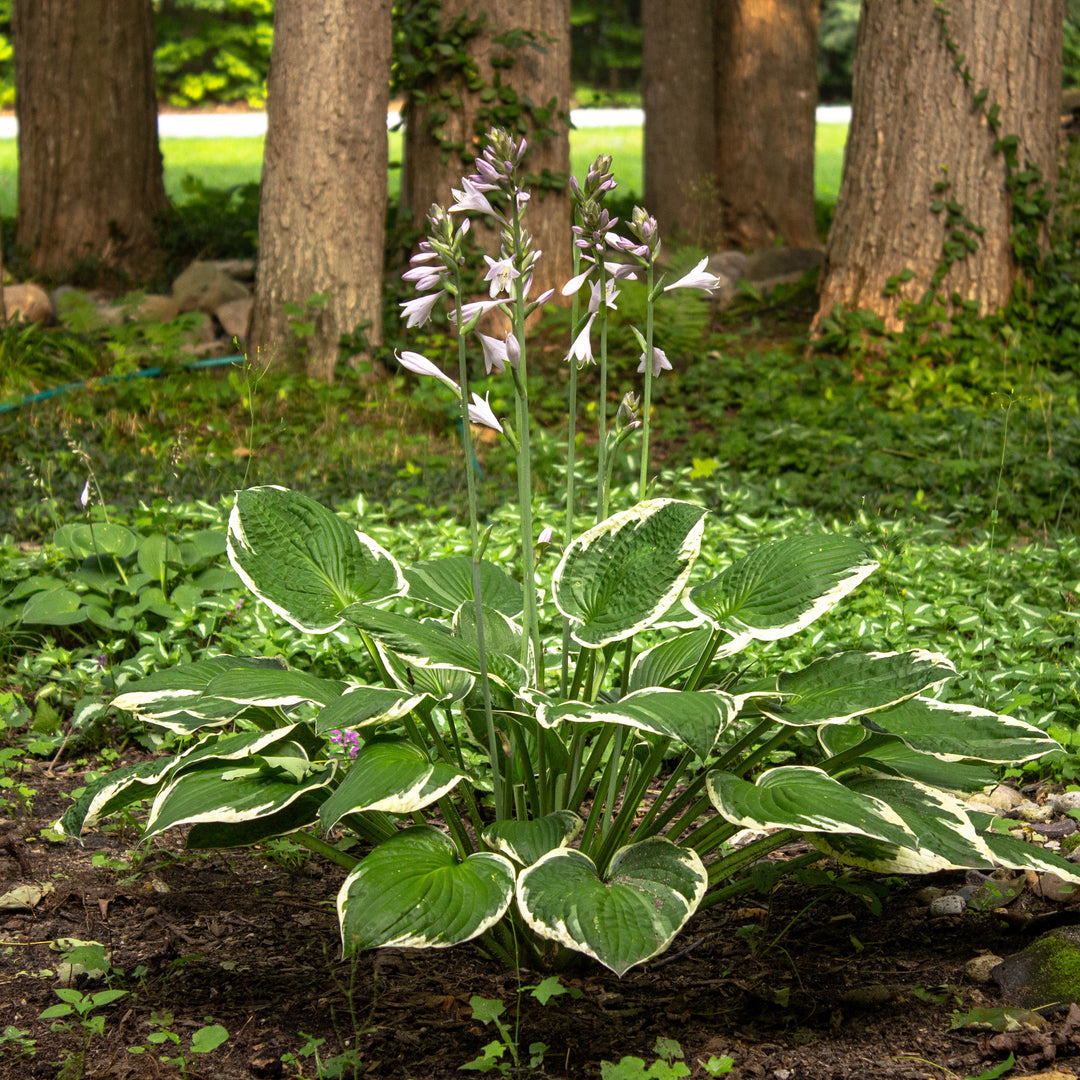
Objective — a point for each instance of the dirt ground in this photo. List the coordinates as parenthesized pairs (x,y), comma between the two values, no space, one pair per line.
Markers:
(824,989)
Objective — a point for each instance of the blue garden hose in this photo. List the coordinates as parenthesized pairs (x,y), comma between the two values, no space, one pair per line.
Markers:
(104,380)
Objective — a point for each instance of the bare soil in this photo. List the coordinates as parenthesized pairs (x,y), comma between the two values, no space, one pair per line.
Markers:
(825,988)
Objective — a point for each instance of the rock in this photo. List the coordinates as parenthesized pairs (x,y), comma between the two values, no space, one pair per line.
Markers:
(1046,973)
(156,308)
(1060,891)
(204,287)
(1032,813)
(1066,801)
(241,269)
(28,303)
(950,904)
(780,265)
(978,968)
(728,264)
(235,317)
(1004,797)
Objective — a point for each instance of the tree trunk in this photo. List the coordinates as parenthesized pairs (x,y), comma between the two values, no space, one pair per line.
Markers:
(444,124)
(679,95)
(90,178)
(916,126)
(322,218)
(766,94)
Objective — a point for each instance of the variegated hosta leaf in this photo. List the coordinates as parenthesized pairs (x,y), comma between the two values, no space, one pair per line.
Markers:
(391,775)
(896,758)
(623,918)
(502,636)
(178,689)
(659,665)
(849,684)
(113,792)
(301,813)
(782,587)
(303,561)
(231,792)
(806,799)
(447,583)
(431,644)
(526,841)
(366,706)
(236,747)
(445,684)
(1020,855)
(414,891)
(623,574)
(695,718)
(956,732)
(271,687)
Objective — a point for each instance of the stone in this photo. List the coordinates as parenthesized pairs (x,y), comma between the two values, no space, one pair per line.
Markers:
(28,303)
(1051,887)
(950,904)
(1066,801)
(1033,813)
(241,269)
(978,968)
(780,265)
(156,308)
(204,287)
(235,317)
(1046,973)
(1003,797)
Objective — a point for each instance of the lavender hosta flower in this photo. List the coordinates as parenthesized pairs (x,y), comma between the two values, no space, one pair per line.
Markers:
(472,197)
(698,278)
(84,498)
(545,536)
(501,273)
(472,311)
(581,349)
(418,311)
(660,362)
(611,294)
(422,277)
(421,365)
(480,412)
(495,357)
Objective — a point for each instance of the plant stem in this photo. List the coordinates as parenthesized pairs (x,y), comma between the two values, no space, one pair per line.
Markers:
(647,403)
(321,847)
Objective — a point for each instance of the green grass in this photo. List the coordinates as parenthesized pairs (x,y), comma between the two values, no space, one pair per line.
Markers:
(222,163)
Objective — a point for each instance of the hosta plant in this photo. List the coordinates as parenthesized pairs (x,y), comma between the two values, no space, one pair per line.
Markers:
(563,751)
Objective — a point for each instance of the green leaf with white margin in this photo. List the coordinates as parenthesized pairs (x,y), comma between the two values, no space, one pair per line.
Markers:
(526,841)
(806,799)
(447,584)
(896,758)
(303,561)
(622,575)
(445,684)
(176,689)
(390,775)
(242,793)
(622,919)
(659,665)
(366,706)
(1019,854)
(299,814)
(236,747)
(271,687)
(782,587)
(431,644)
(849,684)
(695,718)
(113,792)
(415,891)
(957,732)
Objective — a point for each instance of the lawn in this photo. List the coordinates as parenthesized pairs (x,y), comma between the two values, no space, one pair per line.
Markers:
(223,163)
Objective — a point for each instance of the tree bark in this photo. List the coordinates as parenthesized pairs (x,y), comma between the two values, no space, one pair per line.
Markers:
(766,93)
(445,124)
(322,217)
(915,124)
(90,174)
(679,95)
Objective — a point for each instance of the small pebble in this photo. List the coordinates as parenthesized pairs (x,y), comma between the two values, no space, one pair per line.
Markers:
(952,904)
(1033,812)
(929,893)
(1004,797)
(978,968)
(1066,801)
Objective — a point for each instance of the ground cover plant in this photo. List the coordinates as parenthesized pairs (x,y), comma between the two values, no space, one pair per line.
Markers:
(975,537)
(534,717)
